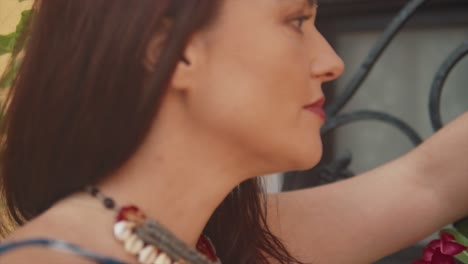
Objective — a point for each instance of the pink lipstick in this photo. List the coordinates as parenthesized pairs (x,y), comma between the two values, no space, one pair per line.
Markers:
(317,108)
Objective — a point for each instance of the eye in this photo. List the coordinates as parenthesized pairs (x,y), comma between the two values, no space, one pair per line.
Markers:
(299,21)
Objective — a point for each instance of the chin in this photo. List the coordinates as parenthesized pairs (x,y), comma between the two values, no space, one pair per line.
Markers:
(304,160)
(298,154)
(310,154)
(307,164)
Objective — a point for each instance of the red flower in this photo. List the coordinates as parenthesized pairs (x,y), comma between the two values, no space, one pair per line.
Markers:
(441,251)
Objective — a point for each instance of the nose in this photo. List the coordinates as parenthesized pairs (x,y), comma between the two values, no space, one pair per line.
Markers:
(325,65)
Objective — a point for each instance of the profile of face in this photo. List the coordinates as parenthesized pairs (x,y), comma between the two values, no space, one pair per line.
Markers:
(252,72)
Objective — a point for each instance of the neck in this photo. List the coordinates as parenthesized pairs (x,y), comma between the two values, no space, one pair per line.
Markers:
(181,173)
(178,199)
(178,179)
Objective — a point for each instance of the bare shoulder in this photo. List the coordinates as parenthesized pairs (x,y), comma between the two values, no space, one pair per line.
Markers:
(35,229)
(62,233)
(41,255)
(36,253)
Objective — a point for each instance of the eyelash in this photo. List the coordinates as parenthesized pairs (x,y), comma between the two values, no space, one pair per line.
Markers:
(301,20)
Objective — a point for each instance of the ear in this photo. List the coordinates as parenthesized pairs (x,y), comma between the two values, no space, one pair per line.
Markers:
(190,65)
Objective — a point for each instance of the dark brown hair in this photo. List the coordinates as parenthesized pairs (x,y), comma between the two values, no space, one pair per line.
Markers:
(82,103)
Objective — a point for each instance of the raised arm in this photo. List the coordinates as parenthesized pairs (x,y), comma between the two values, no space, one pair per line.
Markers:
(367,217)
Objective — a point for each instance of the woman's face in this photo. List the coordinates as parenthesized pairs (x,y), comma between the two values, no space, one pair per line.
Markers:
(264,62)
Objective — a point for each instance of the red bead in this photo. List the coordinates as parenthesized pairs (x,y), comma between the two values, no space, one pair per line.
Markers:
(205,247)
(130,213)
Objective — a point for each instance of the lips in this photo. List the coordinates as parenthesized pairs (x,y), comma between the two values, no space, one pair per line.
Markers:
(317,108)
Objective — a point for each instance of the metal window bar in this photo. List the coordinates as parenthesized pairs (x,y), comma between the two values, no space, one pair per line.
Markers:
(339,168)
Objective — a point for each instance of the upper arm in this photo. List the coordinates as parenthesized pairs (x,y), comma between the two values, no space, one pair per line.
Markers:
(357,220)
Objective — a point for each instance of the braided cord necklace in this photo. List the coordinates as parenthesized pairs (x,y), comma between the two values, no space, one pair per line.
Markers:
(151,242)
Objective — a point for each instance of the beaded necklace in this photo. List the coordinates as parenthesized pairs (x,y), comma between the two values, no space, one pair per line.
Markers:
(151,242)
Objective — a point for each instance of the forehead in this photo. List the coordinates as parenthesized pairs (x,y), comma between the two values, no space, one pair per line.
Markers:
(310,3)
(275,4)
(258,9)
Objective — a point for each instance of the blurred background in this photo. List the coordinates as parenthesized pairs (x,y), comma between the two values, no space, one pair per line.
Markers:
(10,14)
(399,84)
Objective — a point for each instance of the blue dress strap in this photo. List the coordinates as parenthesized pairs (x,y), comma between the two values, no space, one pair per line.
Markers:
(58,245)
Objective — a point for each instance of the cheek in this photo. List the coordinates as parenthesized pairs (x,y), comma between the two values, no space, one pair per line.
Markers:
(253,94)
(264,71)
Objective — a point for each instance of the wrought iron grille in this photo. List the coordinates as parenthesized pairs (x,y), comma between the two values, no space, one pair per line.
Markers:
(339,167)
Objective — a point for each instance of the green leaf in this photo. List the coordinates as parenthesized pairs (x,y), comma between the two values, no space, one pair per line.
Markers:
(462,257)
(24,17)
(460,238)
(7,42)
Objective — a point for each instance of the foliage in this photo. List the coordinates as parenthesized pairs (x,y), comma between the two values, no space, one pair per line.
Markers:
(9,44)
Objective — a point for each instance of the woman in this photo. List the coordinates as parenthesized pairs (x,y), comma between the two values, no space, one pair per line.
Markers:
(175,106)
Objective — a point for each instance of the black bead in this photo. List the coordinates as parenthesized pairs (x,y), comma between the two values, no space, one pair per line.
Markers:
(109,203)
(93,191)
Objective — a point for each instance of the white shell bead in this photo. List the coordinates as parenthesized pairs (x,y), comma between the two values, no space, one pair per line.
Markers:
(147,255)
(133,244)
(123,230)
(163,259)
